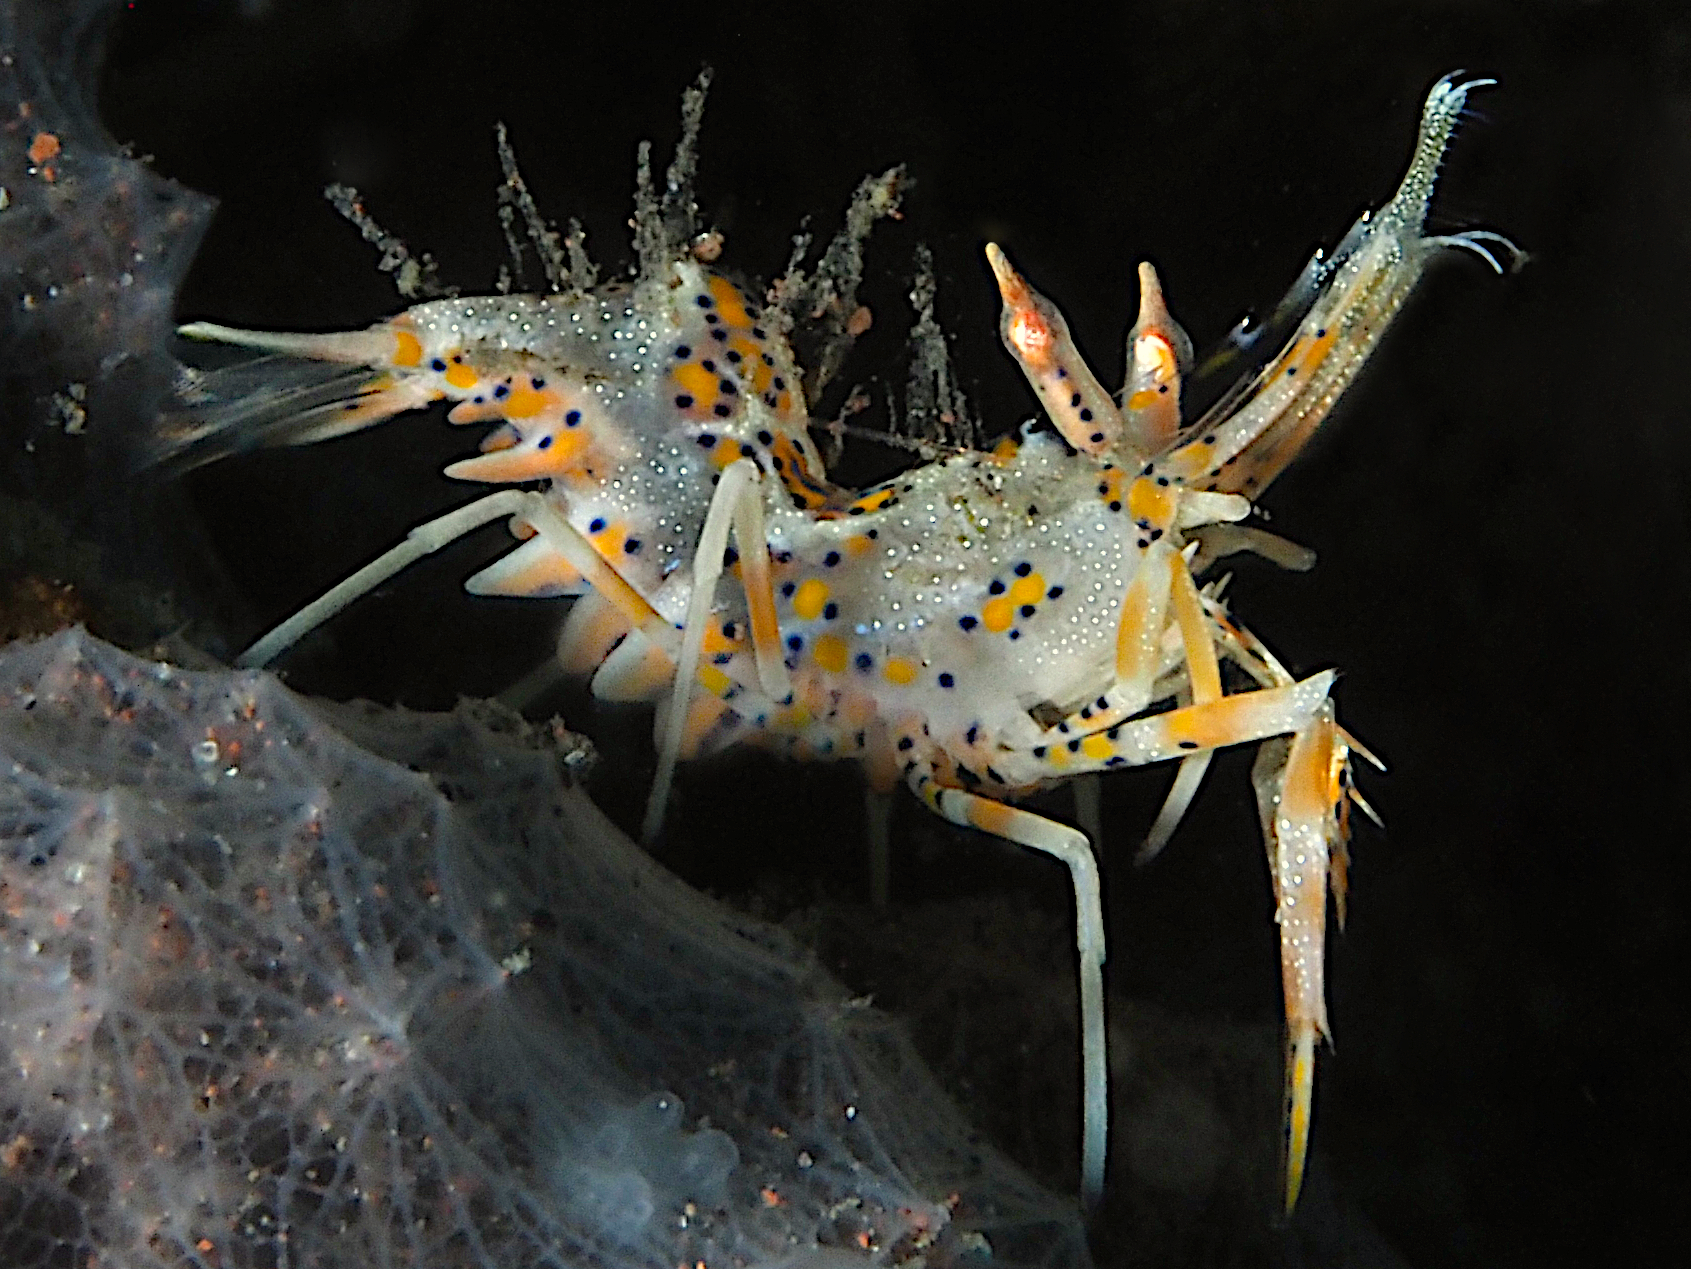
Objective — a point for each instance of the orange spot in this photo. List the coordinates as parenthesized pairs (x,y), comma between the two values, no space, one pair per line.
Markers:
(714,680)
(997,614)
(1147,500)
(795,472)
(875,501)
(697,382)
(1320,348)
(1143,399)
(829,652)
(408,350)
(461,376)
(525,403)
(808,602)
(859,545)
(1028,590)
(716,641)
(730,303)
(1006,449)
(899,671)
(608,540)
(1097,747)
(695,379)
(45,146)
(770,1197)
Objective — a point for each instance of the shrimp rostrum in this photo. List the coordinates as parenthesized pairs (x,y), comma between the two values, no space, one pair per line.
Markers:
(979,628)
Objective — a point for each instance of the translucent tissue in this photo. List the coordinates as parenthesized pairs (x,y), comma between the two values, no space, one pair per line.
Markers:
(284,983)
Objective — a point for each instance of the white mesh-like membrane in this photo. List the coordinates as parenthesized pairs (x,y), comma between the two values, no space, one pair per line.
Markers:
(290,984)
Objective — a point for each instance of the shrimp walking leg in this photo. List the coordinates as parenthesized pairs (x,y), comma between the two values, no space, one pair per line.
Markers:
(424,540)
(1204,672)
(878,812)
(737,504)
(1069,845)
(430,537)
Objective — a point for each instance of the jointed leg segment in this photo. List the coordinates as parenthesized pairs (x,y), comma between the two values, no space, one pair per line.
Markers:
(1204,673)
(1069,845)
(737,504)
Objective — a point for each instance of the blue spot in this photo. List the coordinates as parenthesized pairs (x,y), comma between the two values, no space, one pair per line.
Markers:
(597,525)
(945,680)
(572,419)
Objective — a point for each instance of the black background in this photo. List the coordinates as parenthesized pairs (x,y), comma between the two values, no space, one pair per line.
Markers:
(1499,506)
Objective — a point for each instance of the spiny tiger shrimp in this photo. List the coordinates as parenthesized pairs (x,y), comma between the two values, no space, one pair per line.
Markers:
(980,627)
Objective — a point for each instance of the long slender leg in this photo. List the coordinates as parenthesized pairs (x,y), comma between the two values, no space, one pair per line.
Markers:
(1176,733)
(1088,791)
(425,539)
(1069,845)
(730,507)
(430,537)
(755,579)
(1302,796)
(878,811)
(1204,672)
